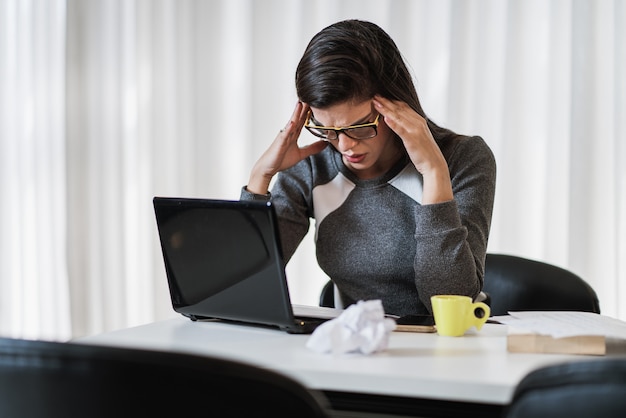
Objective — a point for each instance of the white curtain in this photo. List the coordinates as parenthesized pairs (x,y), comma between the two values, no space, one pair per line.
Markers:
(34,286)
(107,103)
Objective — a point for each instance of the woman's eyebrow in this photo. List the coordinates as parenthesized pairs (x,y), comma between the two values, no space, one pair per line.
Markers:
(359,122)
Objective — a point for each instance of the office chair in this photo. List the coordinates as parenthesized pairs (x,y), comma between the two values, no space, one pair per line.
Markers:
(519,284)
(514,283)
(590,388)
(327,295)
(67,380)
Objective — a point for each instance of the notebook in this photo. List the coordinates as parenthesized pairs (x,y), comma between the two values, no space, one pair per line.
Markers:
(223,261)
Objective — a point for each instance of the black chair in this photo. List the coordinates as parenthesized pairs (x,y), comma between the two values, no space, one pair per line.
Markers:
(590,388)
(514,283)
(66,380)
(520,284)
(327,296)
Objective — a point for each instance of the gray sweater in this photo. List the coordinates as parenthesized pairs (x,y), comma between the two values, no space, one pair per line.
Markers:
(373,237)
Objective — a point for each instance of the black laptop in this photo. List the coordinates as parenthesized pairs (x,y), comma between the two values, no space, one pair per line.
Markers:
(223,261)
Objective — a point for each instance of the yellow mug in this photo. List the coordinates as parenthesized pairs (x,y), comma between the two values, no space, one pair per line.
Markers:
(455,314)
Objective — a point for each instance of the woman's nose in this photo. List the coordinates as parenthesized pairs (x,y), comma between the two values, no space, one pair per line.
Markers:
(344,142)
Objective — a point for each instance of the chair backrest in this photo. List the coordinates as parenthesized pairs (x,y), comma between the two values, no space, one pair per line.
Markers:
(519,284)
(591,388)
(327,295)
(54,379)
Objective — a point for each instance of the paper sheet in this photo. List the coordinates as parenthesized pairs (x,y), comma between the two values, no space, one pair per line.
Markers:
(560,324)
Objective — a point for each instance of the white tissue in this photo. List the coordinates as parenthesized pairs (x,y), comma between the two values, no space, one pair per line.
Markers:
(362,327)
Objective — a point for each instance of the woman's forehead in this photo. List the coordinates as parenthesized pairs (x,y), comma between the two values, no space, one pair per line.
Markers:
(343,114)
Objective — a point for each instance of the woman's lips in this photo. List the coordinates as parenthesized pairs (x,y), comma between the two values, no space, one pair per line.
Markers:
(354,158)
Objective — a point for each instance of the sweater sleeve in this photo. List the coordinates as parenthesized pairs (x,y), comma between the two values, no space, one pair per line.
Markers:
(452,236)
(290,197)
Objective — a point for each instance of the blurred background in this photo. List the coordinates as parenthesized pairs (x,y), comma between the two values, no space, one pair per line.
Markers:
(107,103)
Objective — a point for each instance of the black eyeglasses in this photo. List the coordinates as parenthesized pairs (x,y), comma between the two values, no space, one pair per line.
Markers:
(331,133)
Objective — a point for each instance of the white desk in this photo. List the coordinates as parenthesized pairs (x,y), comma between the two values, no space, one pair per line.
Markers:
(475,368)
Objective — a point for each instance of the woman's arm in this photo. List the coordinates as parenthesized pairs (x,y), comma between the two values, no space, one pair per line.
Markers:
(283,153)
(421,146)
(452,236)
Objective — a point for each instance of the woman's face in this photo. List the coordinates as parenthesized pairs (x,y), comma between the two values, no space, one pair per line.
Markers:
(367,158)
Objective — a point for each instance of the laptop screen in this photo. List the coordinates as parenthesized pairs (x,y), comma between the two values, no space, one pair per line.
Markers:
(223,260)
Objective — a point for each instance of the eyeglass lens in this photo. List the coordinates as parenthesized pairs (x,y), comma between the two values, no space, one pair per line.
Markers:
(354,133)
(359,132)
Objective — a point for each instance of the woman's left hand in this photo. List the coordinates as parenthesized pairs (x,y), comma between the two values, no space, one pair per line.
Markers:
(420,145)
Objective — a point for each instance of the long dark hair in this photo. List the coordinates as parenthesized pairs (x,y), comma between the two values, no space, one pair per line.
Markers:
(355,60)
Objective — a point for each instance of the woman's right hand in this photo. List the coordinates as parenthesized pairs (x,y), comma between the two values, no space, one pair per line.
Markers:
(283,153)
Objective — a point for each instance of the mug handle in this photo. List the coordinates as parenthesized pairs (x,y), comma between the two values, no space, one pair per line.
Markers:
(481,312)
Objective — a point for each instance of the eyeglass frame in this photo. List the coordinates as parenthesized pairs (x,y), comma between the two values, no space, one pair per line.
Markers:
(310,127)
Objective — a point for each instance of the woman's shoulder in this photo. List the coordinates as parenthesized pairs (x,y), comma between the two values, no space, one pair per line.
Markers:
(466,147)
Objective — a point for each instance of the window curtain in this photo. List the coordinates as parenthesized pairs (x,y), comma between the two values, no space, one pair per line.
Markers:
(106,104)
(34,281)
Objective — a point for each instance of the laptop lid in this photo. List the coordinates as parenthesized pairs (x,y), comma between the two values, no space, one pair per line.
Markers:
(223,260)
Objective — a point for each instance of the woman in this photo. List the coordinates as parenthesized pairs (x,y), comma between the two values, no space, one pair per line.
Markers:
(402,207)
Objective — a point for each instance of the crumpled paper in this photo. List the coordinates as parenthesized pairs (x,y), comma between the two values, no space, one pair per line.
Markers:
(361,328)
